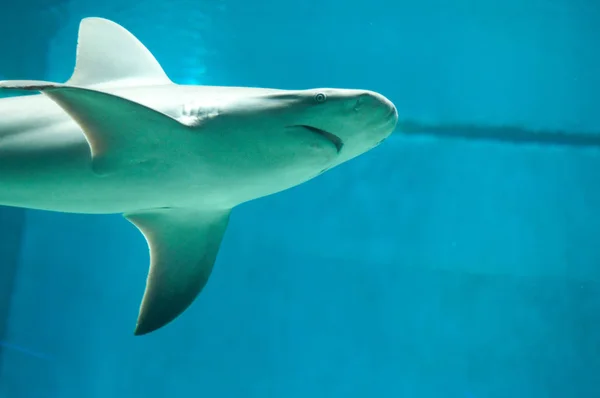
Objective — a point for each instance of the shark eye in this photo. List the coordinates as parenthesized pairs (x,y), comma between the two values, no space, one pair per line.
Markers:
(320,98)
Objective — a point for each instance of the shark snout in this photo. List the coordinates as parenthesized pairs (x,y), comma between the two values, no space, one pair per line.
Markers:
(376,107)
(377,115)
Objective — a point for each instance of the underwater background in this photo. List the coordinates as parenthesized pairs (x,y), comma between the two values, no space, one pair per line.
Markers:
(424,268)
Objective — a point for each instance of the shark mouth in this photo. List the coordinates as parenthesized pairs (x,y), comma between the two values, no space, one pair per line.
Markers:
(335,140)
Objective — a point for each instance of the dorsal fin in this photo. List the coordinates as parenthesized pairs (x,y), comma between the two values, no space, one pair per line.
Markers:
(109,55)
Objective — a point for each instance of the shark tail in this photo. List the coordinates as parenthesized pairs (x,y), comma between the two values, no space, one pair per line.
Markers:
(505,134)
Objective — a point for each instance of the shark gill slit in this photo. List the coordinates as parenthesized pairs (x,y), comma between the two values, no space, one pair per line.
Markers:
(335,140)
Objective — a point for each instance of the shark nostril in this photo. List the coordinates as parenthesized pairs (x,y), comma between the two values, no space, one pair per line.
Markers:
(359,103)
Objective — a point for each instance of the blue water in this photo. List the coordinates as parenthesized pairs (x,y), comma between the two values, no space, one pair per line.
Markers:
(6,346)
(425,268)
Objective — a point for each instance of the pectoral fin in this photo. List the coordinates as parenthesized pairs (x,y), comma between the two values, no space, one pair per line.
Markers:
(183,247)
(121,133)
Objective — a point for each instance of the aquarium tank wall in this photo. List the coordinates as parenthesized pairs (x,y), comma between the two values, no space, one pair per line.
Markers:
(427,267)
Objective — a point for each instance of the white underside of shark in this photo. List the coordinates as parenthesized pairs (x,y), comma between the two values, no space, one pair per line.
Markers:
(120,137)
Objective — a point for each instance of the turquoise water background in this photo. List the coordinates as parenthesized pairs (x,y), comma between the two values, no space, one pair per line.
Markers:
(424,268)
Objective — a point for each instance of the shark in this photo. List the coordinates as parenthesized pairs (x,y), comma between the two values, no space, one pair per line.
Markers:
(120,137)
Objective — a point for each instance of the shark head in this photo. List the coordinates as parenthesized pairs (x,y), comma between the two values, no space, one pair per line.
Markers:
(349,121)
(280,138)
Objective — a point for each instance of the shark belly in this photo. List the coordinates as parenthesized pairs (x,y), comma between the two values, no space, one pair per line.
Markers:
(45,164)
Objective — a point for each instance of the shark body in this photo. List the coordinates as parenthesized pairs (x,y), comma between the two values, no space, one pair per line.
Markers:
(120,137)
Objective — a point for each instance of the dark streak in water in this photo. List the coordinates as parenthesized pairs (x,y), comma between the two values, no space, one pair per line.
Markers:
(505,134)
